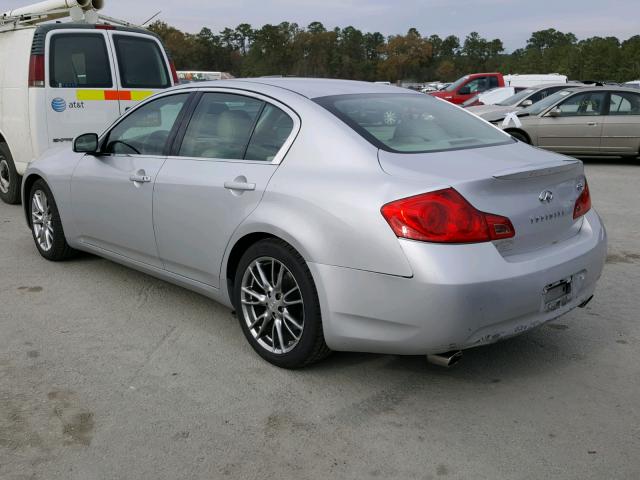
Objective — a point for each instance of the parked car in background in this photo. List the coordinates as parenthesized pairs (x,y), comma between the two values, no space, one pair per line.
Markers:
(524,98)
(471,85)
(189,76)
(324,226)
(632,84)
(493,96)
(581,121)
(60,79)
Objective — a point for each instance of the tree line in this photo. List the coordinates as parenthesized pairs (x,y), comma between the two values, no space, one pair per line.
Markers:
(314,51)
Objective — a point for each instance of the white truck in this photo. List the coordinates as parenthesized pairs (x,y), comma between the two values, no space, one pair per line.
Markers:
(58,80)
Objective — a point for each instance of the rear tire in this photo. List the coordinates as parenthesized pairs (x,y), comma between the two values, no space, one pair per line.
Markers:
(10,181)
(521,137)
(277,305)
(46,225)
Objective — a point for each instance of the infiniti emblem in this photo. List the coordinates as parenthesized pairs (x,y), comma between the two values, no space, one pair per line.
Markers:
(546,196)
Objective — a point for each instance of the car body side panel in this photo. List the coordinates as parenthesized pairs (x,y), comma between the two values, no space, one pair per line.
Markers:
(194,214)
(113,212)
(621,135)
(336,216)
(572,135)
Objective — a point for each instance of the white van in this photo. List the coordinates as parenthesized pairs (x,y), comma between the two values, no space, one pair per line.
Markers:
(533,80)
(58,80)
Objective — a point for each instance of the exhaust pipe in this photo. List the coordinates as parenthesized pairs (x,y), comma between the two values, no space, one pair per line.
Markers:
(446,360)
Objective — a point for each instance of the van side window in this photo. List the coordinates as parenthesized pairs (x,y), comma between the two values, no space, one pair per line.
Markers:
(79,60)
(141,63)
(146,130)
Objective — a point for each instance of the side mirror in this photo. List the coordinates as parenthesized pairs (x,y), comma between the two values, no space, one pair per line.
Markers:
(555,112)
(87,143)
(526,103)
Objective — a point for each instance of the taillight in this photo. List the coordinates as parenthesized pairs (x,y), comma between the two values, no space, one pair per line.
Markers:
(36,71)
(444,216)
(174,73)
(583,203)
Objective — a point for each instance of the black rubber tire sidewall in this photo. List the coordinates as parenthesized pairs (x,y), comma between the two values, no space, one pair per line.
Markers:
(311,346)
(60,250)
(520,137)
(12,197)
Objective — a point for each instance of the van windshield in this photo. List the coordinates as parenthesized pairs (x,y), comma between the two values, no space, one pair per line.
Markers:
(412,123)
(141,62)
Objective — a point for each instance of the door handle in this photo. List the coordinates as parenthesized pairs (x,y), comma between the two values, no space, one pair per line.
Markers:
(592,124)
(237,185)
(140,178)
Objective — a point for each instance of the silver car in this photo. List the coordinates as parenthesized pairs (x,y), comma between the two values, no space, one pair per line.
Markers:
(331,215)
(592,121)
(523,99)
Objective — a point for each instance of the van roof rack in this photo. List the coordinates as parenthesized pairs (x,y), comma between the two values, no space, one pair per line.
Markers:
(82,11)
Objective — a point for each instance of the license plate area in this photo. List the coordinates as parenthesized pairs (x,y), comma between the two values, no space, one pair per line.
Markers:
(557,294)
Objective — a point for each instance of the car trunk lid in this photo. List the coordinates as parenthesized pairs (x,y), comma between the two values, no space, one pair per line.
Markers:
(536,190)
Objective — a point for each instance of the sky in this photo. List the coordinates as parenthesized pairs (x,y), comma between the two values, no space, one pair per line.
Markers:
(510,20)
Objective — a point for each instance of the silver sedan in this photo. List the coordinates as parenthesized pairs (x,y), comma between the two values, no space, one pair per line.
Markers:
(331,215)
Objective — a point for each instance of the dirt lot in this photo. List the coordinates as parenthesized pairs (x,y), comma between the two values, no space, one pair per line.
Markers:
(106,373)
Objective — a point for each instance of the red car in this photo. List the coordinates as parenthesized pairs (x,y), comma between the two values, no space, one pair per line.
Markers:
(468,86)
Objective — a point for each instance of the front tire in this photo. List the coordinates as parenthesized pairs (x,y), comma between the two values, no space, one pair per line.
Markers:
(46,225)
(277,305)
(9,179)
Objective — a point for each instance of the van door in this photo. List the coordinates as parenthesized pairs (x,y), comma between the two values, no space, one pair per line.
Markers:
(80,84)
(142,67)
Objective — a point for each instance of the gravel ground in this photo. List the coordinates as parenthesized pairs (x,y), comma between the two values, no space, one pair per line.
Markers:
(106,373)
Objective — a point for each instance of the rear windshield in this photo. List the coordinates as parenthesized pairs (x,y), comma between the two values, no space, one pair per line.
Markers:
(141,63)
(412,123)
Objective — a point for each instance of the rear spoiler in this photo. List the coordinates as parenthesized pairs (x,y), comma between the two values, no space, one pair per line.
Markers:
(537,170)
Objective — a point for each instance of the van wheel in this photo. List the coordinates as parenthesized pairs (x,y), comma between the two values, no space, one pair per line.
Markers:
(9,179)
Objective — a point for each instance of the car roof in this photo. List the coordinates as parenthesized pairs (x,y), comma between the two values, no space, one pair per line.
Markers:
(606,88)
(306,87)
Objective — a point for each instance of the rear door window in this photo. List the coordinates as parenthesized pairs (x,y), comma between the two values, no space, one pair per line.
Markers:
(624,104)
(140,62)
(79,60)
(221,127)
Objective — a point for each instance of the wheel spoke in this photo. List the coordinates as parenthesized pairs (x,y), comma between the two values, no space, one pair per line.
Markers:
(287,316)
(263,277)
(258,319)
(261,298)
(278,325)
(294,302)
(263,328)
(279,279)
(37,198)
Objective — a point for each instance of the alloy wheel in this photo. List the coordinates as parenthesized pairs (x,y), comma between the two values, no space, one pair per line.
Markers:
(42,220)
(272,305)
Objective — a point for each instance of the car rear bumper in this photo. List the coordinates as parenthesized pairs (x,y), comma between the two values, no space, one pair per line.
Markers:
(460,296)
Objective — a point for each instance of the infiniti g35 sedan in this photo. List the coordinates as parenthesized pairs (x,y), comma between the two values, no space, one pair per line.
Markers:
(331,215)
(592,121)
